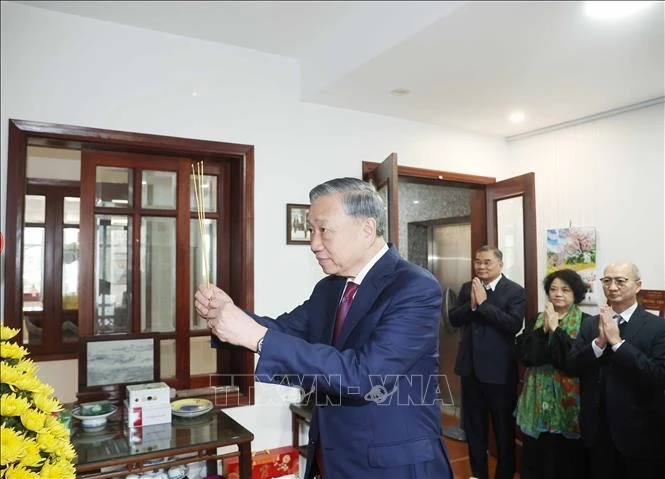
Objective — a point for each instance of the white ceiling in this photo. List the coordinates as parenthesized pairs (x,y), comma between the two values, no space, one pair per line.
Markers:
(468,65)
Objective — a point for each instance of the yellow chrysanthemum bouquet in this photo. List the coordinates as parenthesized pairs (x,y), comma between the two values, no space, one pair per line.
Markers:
(34,443)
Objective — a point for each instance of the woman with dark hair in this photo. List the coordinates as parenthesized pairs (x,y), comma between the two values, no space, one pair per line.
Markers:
(548,406)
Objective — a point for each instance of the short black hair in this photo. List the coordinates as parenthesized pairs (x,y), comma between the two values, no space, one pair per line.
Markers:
(572,279)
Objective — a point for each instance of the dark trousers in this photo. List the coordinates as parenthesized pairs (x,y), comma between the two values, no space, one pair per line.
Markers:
(480,400)
(552,456)
(608,463)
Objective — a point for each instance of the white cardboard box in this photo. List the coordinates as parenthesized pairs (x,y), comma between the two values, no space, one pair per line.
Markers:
(138,416)
(150,394)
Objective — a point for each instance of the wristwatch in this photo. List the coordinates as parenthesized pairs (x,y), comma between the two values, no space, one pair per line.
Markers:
(259,346)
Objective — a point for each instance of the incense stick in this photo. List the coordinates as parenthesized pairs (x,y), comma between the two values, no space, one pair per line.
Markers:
(197,175)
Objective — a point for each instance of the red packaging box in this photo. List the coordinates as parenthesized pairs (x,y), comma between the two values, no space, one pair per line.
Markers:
(267,464)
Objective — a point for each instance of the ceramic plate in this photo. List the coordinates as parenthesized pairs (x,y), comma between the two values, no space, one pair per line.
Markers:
(191,407)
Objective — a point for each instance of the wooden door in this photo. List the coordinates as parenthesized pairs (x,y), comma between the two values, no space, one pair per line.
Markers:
(503,214)
(385,178)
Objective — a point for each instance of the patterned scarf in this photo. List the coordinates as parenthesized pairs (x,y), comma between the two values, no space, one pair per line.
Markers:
(550,400)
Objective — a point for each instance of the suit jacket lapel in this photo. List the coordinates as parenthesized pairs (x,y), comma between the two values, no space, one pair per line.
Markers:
(635,324)
(500,284)
(369,290)
(497,289)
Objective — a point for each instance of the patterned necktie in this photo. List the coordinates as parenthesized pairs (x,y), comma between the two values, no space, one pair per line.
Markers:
(344,306)
(621,323)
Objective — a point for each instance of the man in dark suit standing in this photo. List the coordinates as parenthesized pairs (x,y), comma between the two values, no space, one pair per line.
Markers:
(620,358)
(375,370)
(490,310)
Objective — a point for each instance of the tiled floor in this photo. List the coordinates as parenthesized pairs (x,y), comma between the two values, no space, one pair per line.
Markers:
(459,455)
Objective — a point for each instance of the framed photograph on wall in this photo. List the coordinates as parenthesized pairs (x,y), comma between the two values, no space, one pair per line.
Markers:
(296,224)
(118,359)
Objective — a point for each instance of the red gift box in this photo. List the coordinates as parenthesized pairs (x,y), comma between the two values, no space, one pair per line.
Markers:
(267,464)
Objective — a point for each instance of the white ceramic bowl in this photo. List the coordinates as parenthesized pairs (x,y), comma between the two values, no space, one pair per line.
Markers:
(93,421)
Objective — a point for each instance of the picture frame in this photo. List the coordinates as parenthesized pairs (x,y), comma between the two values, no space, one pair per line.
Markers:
(653,300)
(118,359)
(576,248)
(296,224)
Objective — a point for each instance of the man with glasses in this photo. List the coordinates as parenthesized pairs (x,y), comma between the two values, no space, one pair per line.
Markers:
(620,358)
(490,310)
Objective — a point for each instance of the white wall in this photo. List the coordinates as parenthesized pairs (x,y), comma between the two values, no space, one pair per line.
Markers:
(608,174)
(65,69)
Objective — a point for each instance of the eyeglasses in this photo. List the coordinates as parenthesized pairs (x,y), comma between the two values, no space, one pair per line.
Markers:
(619,281)
(480,262)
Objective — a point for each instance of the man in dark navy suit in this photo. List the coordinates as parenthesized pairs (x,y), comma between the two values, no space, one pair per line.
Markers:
(620,358)
(490,311)
(374,371)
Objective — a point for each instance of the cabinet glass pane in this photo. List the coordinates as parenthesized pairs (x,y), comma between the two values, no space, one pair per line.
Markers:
(33,328)
(158,268)
(113,187)
(202,357)
(35,209)
(112,274)
(158,189)
(199,257)
(70,268)
(510,234)
(33,269)
(70,328)
(167,359)
(71,210)
(206,188)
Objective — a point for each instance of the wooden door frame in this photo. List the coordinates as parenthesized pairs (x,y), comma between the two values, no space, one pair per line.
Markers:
(476,183)
(435,176)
